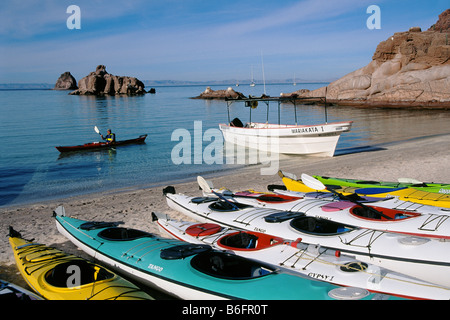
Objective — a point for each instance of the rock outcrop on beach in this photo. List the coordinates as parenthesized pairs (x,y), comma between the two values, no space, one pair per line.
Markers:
(66,82)
(101,82)
(409,69)
(220,94)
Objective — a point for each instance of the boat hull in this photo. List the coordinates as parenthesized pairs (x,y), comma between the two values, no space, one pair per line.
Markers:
(319,140)
(101,145)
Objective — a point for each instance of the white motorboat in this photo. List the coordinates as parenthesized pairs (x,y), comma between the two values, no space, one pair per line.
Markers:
(318,140)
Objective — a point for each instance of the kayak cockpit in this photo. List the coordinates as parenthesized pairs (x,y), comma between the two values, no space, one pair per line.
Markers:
(322,227)
(229,266)
(216,263)
(64,274)
(227,206)
(247,240)
(381,214)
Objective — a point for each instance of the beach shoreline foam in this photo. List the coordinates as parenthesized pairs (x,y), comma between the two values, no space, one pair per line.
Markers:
(424,159)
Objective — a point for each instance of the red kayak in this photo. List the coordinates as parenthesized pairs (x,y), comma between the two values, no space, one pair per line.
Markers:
(101,145)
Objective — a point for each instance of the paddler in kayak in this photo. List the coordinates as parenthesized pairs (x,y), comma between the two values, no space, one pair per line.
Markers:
(110,137)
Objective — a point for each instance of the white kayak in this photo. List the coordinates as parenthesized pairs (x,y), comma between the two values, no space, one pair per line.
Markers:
(12,292)
(384,214)
(297,257)
(420,257)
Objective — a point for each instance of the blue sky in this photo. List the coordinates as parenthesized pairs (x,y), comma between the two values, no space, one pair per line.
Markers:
(199,40)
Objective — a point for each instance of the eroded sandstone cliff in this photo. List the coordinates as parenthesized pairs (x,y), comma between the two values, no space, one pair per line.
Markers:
(410,69)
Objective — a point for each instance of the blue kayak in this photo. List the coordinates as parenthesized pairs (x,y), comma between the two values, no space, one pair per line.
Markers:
(192,271)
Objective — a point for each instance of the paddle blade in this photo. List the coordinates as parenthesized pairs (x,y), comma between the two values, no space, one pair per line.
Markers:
(290,175)
(96,130)
(312,182)
(203,184)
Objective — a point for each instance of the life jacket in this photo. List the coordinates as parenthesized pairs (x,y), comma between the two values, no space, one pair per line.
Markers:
(109,137)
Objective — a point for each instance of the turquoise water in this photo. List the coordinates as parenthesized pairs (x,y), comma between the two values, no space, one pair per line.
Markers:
(33,122)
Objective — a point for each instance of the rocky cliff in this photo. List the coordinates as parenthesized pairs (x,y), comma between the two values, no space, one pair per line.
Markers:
(410,69)
(101,82)
(66,82)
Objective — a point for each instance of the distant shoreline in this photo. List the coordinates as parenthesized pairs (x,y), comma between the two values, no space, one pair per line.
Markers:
(159,83)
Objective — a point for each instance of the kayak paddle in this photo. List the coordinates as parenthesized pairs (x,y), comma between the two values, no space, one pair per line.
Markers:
(315,184)
(204,185)
(96,130)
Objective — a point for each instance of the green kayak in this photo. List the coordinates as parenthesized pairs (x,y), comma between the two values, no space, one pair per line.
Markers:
(403,183)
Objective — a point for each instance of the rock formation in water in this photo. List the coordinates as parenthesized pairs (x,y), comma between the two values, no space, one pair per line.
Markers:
(66,82)
(210,94)
(410,69)
(101,82)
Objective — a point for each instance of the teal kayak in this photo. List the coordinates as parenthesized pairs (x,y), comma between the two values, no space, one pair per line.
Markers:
(193,271)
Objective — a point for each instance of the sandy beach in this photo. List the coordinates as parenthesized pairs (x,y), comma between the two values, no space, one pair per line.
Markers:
(424,159)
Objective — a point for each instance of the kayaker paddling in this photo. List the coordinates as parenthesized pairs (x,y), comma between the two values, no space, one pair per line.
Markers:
(110,137)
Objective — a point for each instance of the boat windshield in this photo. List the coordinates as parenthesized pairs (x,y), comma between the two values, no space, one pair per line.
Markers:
(321,227)
(229,266)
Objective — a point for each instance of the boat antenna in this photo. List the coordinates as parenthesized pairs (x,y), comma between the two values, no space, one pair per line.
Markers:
(264,78)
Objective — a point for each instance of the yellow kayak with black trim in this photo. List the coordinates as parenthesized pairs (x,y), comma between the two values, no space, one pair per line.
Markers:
(56,275)
(405,194)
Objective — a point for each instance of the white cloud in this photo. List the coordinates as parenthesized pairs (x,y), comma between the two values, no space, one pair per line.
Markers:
(301,12)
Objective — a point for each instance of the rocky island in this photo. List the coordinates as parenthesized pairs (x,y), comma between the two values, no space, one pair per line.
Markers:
(66,82)
(210,94)
(101,82)
(409,69)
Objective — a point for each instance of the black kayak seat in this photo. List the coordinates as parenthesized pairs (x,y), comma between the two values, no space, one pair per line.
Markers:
(63,275)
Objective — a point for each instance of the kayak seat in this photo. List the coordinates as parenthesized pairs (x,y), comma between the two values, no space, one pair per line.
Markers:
(368,182)
(64,275)
(229,266)
(323,227)
(242,240)
(365,213)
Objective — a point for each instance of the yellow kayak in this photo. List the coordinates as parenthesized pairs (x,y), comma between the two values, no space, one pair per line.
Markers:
(56,275)
(405,194)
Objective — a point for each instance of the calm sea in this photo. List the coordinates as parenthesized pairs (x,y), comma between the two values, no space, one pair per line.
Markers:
(33,122)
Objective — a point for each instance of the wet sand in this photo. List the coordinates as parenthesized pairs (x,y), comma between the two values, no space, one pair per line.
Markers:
(424,159)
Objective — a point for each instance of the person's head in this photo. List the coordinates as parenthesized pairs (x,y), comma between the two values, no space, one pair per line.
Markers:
(109,131)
